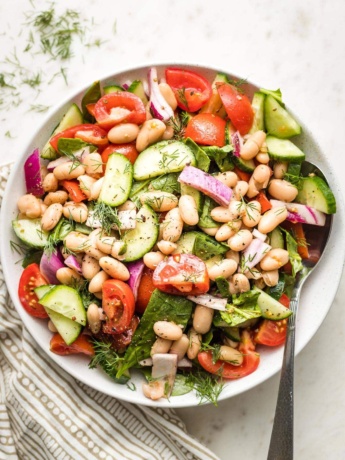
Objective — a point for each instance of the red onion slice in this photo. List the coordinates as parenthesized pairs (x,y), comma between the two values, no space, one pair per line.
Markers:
(33,176)
(159,106)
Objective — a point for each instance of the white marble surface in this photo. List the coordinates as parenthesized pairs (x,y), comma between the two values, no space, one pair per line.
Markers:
(297,46)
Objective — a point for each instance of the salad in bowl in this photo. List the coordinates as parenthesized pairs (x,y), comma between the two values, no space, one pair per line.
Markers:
(162,224)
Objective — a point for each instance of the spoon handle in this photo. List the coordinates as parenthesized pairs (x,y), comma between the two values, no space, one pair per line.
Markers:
(281,444)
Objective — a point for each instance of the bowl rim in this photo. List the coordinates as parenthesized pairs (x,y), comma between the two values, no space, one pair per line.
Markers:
(71,96)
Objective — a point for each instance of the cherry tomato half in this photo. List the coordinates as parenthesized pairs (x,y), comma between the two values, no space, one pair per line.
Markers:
(237,106)
(121,341)
(119,107)
(118,305)
(251,360)
(87,132)
(145,289)
(273,333)
(191,90)
(181,274)
(81,345)
(206,129)
(128,150)
(29,280)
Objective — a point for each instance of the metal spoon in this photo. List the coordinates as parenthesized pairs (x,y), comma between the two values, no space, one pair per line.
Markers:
(282,437)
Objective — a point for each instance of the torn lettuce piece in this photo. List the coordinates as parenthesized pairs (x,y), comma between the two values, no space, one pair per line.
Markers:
(295,258)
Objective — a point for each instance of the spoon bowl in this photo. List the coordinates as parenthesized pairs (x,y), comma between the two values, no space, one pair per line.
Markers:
(282,437)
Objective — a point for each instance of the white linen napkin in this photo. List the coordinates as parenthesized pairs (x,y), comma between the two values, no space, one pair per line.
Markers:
(47,414)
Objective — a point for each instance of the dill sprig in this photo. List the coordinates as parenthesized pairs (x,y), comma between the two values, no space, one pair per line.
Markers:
(208,387)
(107,216)
(106,357)
(178,124)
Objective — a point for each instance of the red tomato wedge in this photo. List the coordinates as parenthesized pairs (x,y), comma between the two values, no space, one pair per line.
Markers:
(81,345)
(118,305)
(273,333)
(145,289)
(121,341)
(74,191)
(237,106)
(120,107)
(92,134)
(29,280)
(191,90)
(128,150)
(206,129)
(242,174)
(181,274)
(251,360)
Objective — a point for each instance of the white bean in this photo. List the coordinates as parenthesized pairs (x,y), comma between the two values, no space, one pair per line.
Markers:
(30,206)
(51,217)
(118,250)
(225,232)
(105,243)
(76,242)
(228,178)
(67,276)
(167,330)
(159,201)
(280,169)
(225,268)
(75,211)
(123,133)
(188,210)
(50,183)
(152,259)
(274,259)
(160,346)
(85,183)
(263,157)
(168,133)
(271,278)
(272,218)
(93,165)
(210,231)
(166,247)
(150,132)
(97,282)
(230,355)
(95,189)
(252,215)
(93,318)
(202,319)
(240,190)
(241,240)
(172,225)
(282,190)
(127,206)
(168,95)
(179,347)
(233,255)
(68,170)
(60,196)
(114,268)
(194,343)
(239,284)
(221,214)
(90,267)
(252,146)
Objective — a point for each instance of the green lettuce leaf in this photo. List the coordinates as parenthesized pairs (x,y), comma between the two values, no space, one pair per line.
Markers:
(295,258)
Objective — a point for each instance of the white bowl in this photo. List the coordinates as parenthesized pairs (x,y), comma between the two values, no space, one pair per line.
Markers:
(317,296)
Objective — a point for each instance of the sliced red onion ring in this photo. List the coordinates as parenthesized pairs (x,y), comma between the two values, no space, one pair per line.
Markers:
(135,273)
(301,213)
(159,106)
(50,264)
(237,142)
(252,255)
(73,263)
(207,300)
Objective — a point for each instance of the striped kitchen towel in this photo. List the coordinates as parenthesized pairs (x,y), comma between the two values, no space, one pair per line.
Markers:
(47,414)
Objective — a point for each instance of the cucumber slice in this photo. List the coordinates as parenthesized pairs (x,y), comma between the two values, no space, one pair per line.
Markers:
(193,192)
(112,89)
(162,158)
(244,165)
(143,237)
(185,243)
(271,308)
(67,328)
(316,194)
(258,106)
(276,239)
(137,88)
(66,301)
(233,333)
(91,96)
(30,232)
(117,180)
(283,150)
(278,121)
(72,117)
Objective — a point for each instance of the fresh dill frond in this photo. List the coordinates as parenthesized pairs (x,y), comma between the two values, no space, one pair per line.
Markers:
(208,387)
(178,124)
(238,84)
(182,95)
(38,108)
(107,358)
(107,216)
